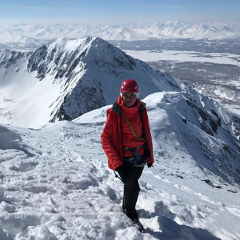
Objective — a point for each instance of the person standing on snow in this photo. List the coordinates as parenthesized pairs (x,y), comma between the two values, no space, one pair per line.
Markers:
(127,142)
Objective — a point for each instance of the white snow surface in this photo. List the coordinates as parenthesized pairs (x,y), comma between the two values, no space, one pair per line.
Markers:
(22,36)
(55,183)
(185,56)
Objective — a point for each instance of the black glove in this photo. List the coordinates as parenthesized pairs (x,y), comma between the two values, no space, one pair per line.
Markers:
(123,172)
(143,160)
(149,165)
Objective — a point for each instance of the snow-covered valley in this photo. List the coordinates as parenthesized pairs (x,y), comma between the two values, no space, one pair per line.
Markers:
(211,67)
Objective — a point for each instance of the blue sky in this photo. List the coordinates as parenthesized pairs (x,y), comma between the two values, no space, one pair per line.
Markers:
(117,12)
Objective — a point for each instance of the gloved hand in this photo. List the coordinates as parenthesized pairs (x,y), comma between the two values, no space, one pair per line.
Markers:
(143,160)
(149,165)
(123,172)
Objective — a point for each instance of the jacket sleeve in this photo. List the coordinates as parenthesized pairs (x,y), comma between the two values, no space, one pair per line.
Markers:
(149,137)
(107,143)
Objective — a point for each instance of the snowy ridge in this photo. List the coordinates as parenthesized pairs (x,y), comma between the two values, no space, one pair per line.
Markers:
(72,77)
(55,183)
(32,35)
(69,78)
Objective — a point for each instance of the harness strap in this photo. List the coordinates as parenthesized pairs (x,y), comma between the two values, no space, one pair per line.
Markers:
(136,136)
(134,153)
(132,149)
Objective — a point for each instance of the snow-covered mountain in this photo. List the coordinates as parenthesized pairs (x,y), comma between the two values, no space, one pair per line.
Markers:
(55,183)
(29,36)
(72,77)
(67,79)
(180,29)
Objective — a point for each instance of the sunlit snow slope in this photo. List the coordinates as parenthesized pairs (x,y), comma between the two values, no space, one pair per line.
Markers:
(67,79)
(55,183)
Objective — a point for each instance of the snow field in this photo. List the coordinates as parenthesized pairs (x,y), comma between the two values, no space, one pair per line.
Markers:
(58,194)
(185,56)
(55,184)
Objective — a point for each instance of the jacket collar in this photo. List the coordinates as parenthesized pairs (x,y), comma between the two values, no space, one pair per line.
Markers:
(120,104)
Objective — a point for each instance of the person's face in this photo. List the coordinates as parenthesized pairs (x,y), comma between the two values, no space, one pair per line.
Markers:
(129,98)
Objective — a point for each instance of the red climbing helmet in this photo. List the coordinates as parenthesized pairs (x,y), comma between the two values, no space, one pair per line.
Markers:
(129,85)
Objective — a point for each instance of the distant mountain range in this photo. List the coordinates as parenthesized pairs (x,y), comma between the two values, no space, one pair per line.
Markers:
(22,36)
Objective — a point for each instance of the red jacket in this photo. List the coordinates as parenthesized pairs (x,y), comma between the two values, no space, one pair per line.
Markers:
(117,132)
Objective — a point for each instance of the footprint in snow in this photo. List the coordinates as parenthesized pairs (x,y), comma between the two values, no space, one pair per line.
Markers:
(24,167)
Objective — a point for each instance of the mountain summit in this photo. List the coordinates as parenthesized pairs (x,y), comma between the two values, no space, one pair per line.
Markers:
(68,78)
(71,77)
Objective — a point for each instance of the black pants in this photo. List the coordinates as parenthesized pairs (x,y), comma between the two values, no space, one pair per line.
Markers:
(131,191)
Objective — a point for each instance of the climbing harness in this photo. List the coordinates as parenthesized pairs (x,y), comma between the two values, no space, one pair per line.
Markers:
(135,157)
(135,160)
